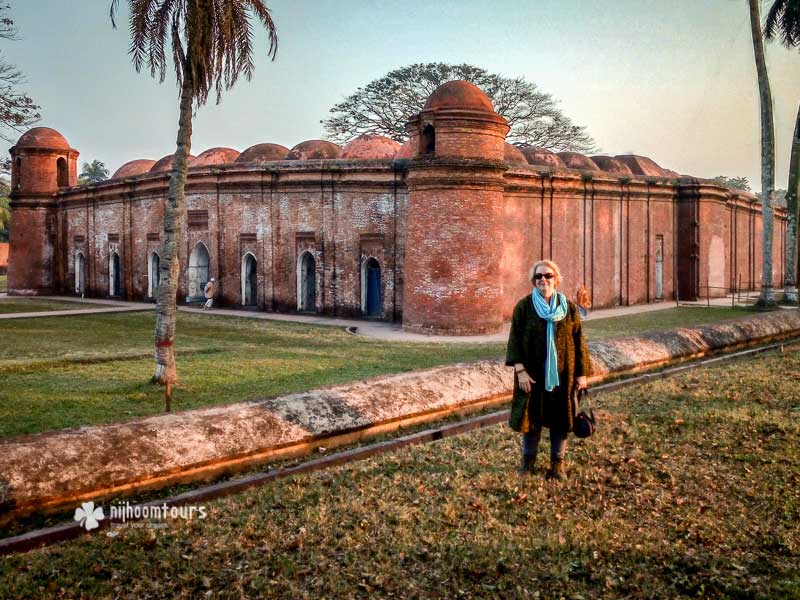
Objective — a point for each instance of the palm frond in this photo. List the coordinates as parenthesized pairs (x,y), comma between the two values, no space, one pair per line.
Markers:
(211,40)
(783,19)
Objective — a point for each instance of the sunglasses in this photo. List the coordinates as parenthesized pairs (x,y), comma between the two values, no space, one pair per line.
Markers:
(547,276)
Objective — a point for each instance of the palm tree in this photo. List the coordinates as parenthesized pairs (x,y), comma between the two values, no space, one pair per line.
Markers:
(94,172)
(211,45)
(767,296)
(784,19)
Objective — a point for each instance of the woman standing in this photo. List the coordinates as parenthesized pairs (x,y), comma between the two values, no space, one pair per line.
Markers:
(547,349)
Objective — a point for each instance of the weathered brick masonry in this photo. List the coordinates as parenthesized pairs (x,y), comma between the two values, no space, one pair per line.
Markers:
(438,234)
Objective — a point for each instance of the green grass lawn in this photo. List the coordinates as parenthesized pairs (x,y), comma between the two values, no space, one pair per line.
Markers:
(69,371)
(17,304)
(689,489)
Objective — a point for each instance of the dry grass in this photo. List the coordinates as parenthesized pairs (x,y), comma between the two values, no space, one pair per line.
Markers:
(690,489)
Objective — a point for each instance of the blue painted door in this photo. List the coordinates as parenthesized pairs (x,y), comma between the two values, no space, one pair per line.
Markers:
(373,292)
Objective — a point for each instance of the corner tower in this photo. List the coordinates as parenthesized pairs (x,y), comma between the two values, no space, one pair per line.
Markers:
(41,163)
(455,214)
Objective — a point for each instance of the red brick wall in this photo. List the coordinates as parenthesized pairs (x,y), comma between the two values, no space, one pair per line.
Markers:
(454,249)
(30,265)
(476,231)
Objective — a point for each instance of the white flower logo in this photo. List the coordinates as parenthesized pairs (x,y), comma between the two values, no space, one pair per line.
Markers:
(88,516)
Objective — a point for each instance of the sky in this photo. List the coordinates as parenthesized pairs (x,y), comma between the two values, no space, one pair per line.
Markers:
(675,81)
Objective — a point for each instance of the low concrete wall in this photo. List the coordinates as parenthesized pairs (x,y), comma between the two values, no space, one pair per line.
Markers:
(55,469)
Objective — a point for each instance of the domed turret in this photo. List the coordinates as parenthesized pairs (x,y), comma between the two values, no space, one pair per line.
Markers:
(459,94)
(455,194)
(458,120)
(41,163)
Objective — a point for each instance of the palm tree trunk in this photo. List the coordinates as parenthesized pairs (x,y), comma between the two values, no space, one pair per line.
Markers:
(792,193)
(767,296)
(169,271)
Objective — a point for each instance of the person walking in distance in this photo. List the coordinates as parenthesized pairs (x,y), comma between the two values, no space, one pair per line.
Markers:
(583,301)
(209,294)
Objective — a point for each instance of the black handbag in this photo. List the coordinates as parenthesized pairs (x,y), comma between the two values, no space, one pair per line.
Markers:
(584,423)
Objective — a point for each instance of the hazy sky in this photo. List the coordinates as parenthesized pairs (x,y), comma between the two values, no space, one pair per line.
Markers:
(674,81)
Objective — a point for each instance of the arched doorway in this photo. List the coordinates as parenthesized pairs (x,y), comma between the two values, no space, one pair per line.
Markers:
(153,275)
(249,280)
(80,274)
(371,304)
(114,275)
(306,282)
(198,271)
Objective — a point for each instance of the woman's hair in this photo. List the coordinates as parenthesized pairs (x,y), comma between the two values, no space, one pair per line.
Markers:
(546,263)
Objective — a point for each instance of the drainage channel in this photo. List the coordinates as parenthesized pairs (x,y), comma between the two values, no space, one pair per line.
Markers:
(67,531)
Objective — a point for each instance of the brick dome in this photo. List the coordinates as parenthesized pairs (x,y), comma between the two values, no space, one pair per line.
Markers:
(215,156)
(542,157)
(263,153)
(575,160)
(513,155)
(459,94)
(641,165)
(133,168)
(165,163)
(370,147)
(405,151)
(43,137)
(314,149)
(611,165)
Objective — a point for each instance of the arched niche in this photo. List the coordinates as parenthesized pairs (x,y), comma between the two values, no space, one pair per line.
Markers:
(249,280)
(306,282)
(198,273)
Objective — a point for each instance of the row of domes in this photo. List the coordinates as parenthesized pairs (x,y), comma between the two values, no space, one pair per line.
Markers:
(376,147)
(366,147)
(373,147)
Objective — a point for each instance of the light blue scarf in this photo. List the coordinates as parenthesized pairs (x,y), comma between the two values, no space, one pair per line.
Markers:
(552,312)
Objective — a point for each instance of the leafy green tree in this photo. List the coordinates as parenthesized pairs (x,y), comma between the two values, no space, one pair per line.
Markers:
(784,19)
(93,172)
(739,183)
(767,296)
(211,44)
(384,106)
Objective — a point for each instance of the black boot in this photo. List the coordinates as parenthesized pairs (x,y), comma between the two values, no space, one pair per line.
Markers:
(557,471)
(528,464)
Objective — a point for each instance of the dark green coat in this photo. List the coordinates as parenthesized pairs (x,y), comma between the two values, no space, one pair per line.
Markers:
(527,343)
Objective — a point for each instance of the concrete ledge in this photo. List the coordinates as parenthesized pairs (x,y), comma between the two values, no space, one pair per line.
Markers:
(56,469)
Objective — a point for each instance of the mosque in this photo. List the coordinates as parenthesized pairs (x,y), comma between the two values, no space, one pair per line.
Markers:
(438,233)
